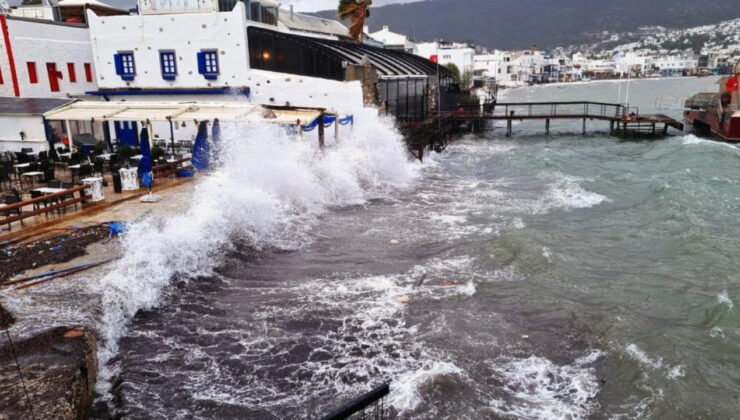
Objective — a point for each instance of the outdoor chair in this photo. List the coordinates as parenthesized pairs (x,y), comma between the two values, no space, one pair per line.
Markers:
(5,177)
(11,199)
(68,186)
(37,206)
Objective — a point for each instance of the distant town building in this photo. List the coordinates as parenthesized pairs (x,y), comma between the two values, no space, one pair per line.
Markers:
(459,54)
(393,40)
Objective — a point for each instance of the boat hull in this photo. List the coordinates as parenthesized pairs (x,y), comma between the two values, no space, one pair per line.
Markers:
(728,130)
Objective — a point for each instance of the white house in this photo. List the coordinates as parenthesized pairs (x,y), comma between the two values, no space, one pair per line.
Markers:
(394,40)
(491,65)
(460,54)
(677,65)
(44,58)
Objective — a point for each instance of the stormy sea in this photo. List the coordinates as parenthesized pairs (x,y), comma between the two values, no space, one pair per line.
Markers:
(532,276)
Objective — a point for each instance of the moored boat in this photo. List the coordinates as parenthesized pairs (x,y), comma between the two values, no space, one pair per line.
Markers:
(717,113)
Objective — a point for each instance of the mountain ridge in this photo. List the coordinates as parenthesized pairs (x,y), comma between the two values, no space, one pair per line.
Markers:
(512,24)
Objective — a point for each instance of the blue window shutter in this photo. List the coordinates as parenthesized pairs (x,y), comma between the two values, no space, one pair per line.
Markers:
(119,63)
(202,63)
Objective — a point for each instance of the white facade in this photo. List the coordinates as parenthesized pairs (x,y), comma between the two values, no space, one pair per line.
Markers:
(490,65)
(54,49)
(32,127)
(461,55)
(184,34)
(394,41)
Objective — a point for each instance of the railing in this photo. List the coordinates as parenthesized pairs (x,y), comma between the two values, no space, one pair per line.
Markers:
(545,110)
(169,168)
(45,199)
(369,406)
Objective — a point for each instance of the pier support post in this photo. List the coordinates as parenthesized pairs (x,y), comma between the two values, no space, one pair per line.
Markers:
(584,126)
(611,127)
(321,130)
(652,128)
(547,127)
(508,128)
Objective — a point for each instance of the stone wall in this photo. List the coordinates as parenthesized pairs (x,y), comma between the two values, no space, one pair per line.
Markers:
(59,367)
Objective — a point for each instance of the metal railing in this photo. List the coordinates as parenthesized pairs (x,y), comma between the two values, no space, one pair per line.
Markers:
(545,110)
(67,198)
(369,406)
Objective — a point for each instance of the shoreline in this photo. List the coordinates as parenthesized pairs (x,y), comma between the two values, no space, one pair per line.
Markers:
(52,322)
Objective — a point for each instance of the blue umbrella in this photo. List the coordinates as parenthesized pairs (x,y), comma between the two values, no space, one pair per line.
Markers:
(145,164)
(201,148)
(216,136)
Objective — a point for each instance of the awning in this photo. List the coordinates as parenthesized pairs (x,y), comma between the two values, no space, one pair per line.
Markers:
(181,111)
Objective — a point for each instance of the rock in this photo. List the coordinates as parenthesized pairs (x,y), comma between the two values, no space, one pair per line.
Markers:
(59,370)
(395,242)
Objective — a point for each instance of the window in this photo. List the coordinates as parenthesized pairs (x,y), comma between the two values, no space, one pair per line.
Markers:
(168,64)
(88,72)
(71,71)
(33,77)
(208,64)
(125,66)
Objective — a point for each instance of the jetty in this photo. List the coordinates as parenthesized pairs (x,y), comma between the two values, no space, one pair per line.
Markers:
(623,120)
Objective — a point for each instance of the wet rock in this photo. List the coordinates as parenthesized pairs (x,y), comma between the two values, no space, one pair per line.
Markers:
(59,367)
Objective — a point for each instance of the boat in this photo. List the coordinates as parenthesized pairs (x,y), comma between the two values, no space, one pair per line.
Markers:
(717,113)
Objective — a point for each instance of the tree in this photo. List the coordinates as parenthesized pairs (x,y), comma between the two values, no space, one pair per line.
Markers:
(357,11)
(31,3)
(455,71)
(467,80)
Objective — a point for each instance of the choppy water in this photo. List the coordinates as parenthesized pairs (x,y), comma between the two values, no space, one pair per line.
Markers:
(566,277)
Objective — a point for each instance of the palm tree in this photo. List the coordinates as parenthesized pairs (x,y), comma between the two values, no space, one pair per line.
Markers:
(357,11)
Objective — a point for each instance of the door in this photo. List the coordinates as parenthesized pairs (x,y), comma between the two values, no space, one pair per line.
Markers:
(126,133)
(54,76)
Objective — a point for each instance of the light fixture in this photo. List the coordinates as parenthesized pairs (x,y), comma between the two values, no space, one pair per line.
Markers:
(266,55)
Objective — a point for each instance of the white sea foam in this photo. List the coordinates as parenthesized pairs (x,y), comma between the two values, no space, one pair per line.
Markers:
(637,354)
(536,388)
(724,298)
(405,390)
(268,192)
(568,193)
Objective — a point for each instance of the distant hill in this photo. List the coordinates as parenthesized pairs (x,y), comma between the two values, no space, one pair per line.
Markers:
(517,24)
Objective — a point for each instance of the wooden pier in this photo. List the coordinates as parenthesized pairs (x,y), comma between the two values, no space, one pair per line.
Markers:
(623,120)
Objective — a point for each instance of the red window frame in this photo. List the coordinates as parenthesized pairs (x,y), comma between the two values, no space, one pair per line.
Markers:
(88,72)
(71,71)
(1,76)
(33,76)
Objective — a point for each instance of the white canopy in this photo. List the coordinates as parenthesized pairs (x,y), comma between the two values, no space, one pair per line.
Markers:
(180,111)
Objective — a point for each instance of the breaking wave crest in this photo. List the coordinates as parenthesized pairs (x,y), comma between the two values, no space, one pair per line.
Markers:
(537,388)
(268,193)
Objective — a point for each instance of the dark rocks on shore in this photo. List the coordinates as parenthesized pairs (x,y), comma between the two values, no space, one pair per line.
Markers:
(6,319)
(59,367)
(56,250)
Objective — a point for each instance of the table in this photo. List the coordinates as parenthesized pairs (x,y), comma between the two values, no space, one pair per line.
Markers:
(129,179)
(33,176)
(22,165)
(136,157)
(105,156)
(96,188)
(68,155)
(49,191)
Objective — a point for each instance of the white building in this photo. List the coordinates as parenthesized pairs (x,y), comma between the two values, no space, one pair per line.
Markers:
(459,54)
(492,66)
(44,59)
(676,65)
(22,122)
(393,40)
